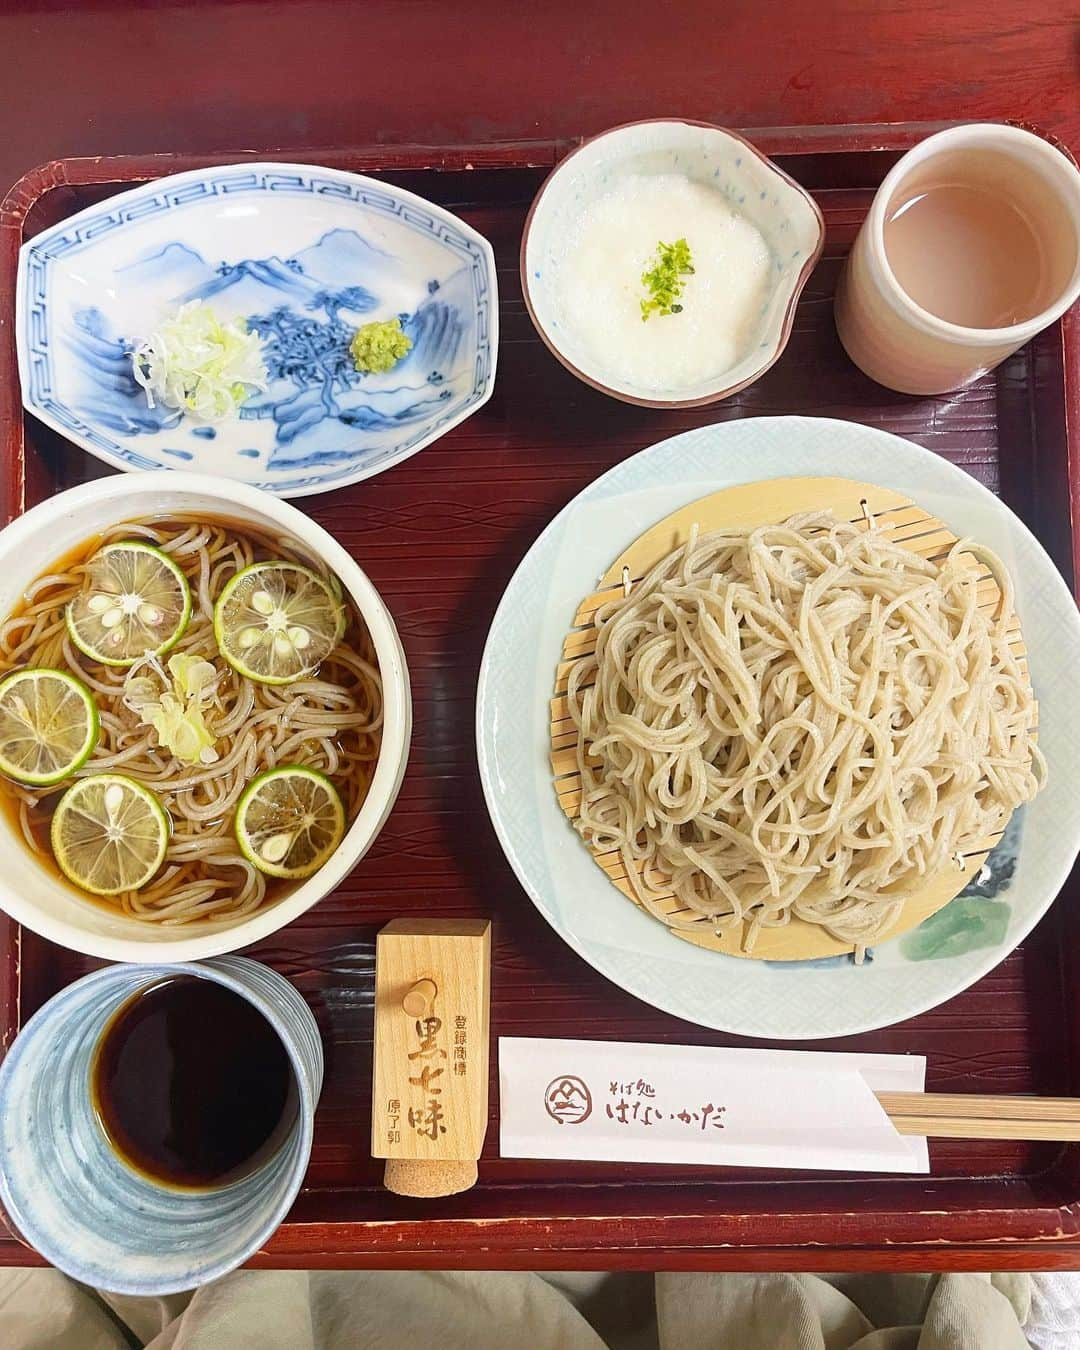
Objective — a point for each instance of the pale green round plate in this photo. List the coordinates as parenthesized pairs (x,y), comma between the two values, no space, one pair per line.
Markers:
(775,1000)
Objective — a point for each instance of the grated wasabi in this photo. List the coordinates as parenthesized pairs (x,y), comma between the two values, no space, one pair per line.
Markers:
(378,347)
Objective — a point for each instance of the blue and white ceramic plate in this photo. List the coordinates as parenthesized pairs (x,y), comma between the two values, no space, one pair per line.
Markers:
(776,1000)
(305,255)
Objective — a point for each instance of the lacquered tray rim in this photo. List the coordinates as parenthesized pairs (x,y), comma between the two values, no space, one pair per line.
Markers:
(698,1237)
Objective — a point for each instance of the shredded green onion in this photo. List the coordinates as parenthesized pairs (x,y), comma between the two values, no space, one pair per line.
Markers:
(199,364)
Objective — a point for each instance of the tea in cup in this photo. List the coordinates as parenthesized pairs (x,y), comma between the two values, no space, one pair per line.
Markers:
(970,248)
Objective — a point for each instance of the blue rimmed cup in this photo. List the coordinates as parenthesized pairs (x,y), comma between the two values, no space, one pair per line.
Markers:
(88,1212)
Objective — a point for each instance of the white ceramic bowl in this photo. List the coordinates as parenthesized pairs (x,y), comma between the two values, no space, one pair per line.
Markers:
(754,187)
(33,895)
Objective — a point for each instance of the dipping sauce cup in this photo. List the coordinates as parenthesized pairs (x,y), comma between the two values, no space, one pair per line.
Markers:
(89,1212)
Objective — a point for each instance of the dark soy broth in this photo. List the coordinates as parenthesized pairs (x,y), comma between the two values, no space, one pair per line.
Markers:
(192,1086)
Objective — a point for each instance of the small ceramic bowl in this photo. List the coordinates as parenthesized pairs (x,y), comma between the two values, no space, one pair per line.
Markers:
(90,1214)
(35,895)
(784,212)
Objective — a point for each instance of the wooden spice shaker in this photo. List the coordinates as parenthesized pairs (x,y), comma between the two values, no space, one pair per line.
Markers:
(430,1078)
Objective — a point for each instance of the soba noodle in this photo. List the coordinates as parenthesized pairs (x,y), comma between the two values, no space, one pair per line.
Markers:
(800,720)
(330,721)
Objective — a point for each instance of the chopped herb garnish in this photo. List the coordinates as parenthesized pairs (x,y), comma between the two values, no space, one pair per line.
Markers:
(664,280)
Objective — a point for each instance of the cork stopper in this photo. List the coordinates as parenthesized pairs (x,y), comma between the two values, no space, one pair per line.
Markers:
(420,1000)
(425,1179)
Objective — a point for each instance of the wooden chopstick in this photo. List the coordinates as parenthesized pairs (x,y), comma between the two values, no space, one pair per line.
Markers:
(943,1115)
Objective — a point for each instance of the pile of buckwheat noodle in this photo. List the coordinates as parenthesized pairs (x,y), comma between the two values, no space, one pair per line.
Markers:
(800,719)
(330,720)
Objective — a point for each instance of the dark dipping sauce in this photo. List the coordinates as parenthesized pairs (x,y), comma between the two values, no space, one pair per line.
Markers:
(192,1086)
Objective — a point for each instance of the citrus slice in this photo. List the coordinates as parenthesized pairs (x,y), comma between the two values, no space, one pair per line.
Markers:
(48,726)
(289,821)
(136,603)
(277,621)
(109,834)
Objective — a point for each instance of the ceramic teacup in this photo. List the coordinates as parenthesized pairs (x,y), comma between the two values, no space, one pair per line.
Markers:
(897,341)
(90,1213)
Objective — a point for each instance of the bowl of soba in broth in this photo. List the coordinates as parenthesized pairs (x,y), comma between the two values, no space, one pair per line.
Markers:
(204,716)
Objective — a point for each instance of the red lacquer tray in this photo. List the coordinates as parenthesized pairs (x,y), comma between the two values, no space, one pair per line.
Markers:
(440,535)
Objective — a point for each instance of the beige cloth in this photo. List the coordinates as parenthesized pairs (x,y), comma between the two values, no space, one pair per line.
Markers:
(398,1310)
